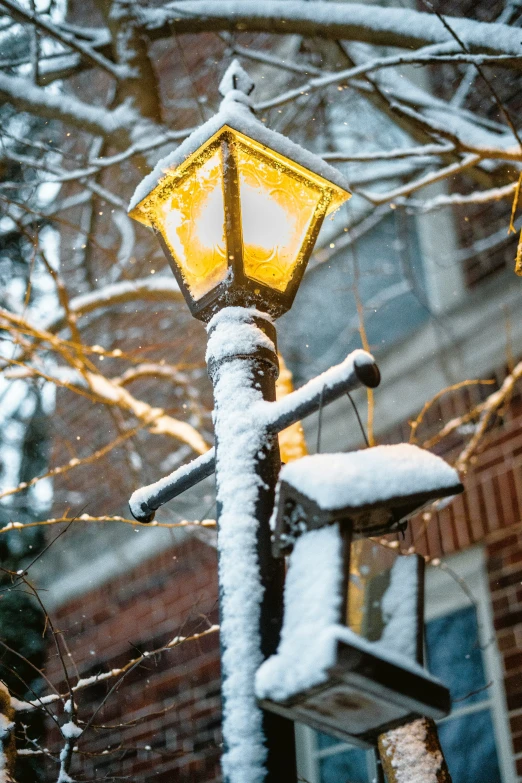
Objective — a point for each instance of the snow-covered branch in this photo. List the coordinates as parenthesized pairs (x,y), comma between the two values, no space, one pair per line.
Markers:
(63,36)
(422,182)
(66,108)
(148,289)
(87,682)
(401,27)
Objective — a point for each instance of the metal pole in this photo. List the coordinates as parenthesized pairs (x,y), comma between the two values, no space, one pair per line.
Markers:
(242,363)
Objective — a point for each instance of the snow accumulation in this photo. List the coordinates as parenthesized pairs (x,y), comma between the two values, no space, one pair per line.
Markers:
(120,291)
(159,288)
(311,626)
(140,499)
(236,78)
(92,118)
(233,332)
(312,607)
(235,112)
(411,763)
(399,608)
(403,27)
(70,730)
(240,436)
(334,377)
(368,476)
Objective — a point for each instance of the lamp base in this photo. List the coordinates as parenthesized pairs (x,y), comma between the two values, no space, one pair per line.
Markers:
(364,696)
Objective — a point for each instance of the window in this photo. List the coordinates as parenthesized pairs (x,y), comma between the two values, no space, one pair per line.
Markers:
(323,759)
(461,651)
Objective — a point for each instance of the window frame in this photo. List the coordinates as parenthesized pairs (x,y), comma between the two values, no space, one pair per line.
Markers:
(444,594)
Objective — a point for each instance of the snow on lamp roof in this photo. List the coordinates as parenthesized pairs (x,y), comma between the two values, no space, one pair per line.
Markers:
(236,78)
(236,114)
(372,491)
(360,478)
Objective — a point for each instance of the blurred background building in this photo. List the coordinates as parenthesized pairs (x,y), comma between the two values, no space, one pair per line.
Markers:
(441,305)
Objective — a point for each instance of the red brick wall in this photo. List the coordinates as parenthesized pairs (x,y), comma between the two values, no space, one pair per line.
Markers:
(164,718)
(504,553)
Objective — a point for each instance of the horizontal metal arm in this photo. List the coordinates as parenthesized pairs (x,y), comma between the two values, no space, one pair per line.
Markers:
(146,500)
(358,369)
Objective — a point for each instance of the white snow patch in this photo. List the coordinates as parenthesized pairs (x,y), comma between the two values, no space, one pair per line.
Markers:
(70,730)
(399,608)
(311,626)
(327,380)
(368,476)
(312,606)
(410,760)
(237,334)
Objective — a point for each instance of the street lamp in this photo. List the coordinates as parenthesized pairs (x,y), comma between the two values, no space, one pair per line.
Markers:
(237,208)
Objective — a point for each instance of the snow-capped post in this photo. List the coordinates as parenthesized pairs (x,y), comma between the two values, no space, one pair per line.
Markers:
(237,208)
(242,363)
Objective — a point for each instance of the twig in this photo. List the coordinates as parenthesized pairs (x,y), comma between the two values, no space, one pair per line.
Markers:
(65,38)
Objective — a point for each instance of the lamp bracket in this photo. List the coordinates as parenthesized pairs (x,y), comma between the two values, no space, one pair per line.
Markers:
(358,369)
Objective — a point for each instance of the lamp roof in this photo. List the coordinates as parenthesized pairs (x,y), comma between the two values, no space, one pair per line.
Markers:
(376,475)
(235,112)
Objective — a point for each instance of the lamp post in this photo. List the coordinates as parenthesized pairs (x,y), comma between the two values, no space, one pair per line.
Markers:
(237,208)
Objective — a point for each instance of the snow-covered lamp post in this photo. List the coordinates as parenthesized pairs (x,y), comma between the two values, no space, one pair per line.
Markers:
(237,208)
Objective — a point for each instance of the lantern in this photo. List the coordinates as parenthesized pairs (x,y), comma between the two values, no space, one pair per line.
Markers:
(349,662)
(237,208)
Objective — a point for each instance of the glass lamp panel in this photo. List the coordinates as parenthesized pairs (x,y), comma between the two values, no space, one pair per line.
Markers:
(369,608)
(277,209)
(190,215)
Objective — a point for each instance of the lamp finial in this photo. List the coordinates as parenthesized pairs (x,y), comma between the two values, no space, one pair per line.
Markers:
(236,79)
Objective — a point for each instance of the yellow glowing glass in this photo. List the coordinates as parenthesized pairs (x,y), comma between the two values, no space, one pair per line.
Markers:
(276,211)
(370,568)
(274,206)
(191,219)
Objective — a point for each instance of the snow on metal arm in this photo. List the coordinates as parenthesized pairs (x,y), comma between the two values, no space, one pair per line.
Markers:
(358,369)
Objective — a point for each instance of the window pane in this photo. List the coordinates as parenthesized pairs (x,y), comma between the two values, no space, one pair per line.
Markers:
(347,767)
(326,741)
(276,211)
(191,218)
(454,656)
(469,748)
